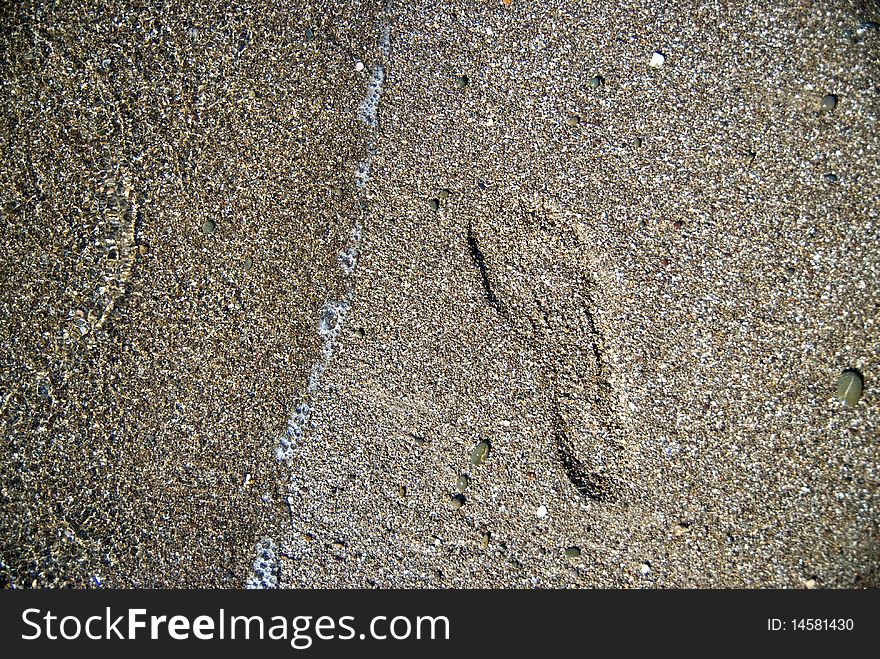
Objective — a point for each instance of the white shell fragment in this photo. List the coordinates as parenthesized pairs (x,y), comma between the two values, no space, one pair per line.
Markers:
(657,60)
(541,512)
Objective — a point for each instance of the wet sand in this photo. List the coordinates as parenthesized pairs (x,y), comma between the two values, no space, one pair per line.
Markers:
(271,274)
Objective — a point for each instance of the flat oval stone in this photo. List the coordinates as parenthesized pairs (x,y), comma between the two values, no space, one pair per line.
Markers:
(849,387)
(829,102)
(480,452)
(462,81)
(208,227)
(456,500)
(573,552)
(462,482)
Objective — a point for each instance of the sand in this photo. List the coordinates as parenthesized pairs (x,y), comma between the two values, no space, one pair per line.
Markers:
(640,293)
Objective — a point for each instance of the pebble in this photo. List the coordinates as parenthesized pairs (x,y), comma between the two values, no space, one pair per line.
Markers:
(444,194)
(637,142)
(596,82)
(462,81)
(208,227)
(829,102)
(573,552)
(657,60)
(645,569)
(359,332)
(310,33)
(248,263)
(572,119)
(463,482)
(401,491)
(849,387)
(359,66)
(456,501)
(480,452)
(831,178)
(484,541)
(434,204)
(542,511)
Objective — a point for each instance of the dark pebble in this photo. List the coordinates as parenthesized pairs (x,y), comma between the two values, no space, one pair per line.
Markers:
(829,102)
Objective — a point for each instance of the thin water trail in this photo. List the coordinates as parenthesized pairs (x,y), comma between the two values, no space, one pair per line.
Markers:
(332,317)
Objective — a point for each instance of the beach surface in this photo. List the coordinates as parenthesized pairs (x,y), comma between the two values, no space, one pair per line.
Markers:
(439,294)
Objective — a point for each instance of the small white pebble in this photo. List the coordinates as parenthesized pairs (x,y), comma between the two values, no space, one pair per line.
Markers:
(359,67)
(657,60)
(645,569)
(542,512)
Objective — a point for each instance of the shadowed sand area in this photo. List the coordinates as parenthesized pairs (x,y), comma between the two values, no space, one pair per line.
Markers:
(271,271)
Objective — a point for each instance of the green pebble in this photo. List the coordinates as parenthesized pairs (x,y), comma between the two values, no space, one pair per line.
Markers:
(444,194)
(572,119)
(208,227)
(462,483)
(462,81)
(596,82)
(478,455)
(248,263)
(310,33)
(573,552)
(637,142)
(849,387)
(434,204)
(456,501)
